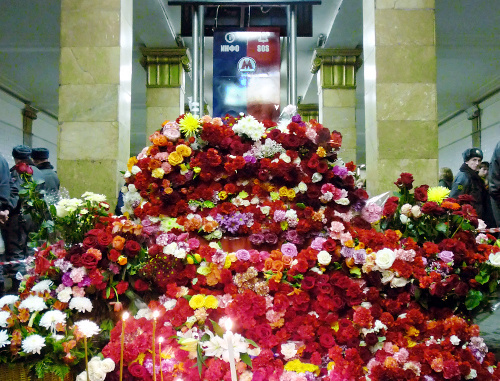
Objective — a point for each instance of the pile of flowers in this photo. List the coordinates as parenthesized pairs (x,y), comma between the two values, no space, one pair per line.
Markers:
(260,223)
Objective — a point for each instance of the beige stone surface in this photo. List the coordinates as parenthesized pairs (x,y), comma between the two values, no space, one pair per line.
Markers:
(406,64)
(407,139)
(82,5)
(400,27)
(162,96)
(339,97)
(337,118)
(90,27)
(406,101)
(405,4)
(88,140)
(89,65)
(86,103)
(98,176)
(348,154)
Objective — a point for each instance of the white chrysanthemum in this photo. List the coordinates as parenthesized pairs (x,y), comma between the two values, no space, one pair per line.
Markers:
(33,344)
(42,286)
(4,315)
(8,300)
(4,338)
(65,295)
(66,206)
(87,328)
(81,304)
(33,303)
(94,197)
(250,127)
(51,318)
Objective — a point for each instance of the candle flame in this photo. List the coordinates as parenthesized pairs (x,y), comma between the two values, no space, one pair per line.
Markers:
(125,315)
(229,324)
(160,339)
(156,314)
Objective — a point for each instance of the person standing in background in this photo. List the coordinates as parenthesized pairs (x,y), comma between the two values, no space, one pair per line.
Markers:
(494,183)
(468,182)
(40,157)
(5,207)
(445,177)
(483,171)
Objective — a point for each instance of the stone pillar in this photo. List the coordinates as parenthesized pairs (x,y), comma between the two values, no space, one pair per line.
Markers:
(308,111)
(165,87)
(94,95)
(29,115)
(400,92)
(337,94)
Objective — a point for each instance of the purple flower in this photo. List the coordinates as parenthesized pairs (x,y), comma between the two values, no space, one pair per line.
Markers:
(317,243)
(293,237)
(279,215)
(257,239)
(296,118)
(243,255)
(359,256)
(347,252)
(270,238)
(193,243)
(85,282)
(289,249)
(114,268)
(446,256)
(340,171)
(250,159)
(66,280)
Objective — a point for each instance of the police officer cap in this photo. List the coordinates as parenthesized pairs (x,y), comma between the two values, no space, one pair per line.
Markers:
(40,153)
(21,152)
(472,152)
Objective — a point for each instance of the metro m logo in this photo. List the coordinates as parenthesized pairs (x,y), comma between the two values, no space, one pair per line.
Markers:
(246,65)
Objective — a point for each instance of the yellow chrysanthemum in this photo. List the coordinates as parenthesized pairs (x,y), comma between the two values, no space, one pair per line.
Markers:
(197,301)
(300,367)
(211,302)
(437,194)
(189,125)
(321,152)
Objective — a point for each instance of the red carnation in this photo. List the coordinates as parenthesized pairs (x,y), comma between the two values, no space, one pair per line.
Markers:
(390,206)
(121,287)
(140,285)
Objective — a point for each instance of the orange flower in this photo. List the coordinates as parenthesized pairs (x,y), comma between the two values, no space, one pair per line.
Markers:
(96,253)
(24,315)
(277,266)
(129,227)
(450,205)
(122,260)
(60,327)
(118,242)
(58,305)
(276,255)
(159,139)
(209,225)
(17,337)
(287,260)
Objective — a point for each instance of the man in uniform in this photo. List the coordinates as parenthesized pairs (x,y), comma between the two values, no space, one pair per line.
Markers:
(40,157)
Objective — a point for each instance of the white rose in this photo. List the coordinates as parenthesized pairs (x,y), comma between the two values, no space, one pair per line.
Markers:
(404,219)
(302,187)
(324,258)
(406,209)
(397,282)
(455,340)
(285,158)
(316,177)
(385,258)
(288,350)
(265,210)
(495,259)
(127,175)
(387,276)
(342,201)
(65,295)
(415,211)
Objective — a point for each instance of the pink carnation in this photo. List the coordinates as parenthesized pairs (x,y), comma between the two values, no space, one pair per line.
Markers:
(371,213)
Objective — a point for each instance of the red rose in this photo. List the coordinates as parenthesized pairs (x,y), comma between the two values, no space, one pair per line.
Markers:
(390,206)
(76,260)
(89,241)
(138,371)
(113,255)
(104,238)
(23,168)
(421,193)
(89,261)
(132,248)
(326,340)
(121,287)
(140,285)
(405,181)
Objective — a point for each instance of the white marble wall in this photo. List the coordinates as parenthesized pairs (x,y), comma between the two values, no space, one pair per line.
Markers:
(11,129)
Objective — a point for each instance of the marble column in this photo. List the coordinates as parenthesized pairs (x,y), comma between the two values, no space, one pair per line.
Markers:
(165,87)
(308,111)
(94,95)
(29,115)
(399,48)
(336,70)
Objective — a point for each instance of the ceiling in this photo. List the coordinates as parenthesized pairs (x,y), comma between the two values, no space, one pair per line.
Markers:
(467,34)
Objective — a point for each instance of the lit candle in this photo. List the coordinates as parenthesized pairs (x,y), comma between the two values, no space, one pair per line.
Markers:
(155,316)
(124,318)
(160,340)
(86,357)
(230,349)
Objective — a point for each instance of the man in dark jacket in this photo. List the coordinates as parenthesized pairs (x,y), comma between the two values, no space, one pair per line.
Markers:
(40,157)
(18,225)
(494,183)
(468,182)
(5,208)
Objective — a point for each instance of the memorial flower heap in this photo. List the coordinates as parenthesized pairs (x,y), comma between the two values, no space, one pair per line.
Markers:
(260,225)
